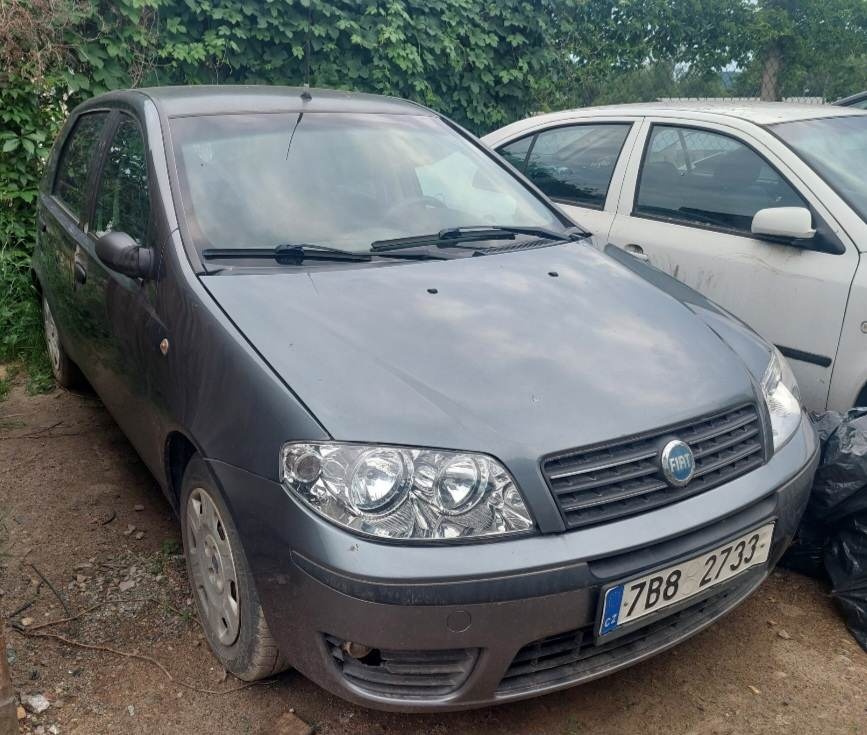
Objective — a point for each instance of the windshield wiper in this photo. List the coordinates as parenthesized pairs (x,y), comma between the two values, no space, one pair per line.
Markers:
(488,230)
(451,237)
(293,252)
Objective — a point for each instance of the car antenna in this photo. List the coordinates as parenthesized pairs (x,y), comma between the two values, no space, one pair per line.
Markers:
(305,95)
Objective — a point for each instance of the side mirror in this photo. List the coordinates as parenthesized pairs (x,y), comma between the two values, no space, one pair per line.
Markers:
(788,223)
(123,254)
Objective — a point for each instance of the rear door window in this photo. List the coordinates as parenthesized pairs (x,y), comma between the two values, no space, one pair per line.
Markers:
(76,160)
(574,164)
(122,201)
(700,177)
(516,152)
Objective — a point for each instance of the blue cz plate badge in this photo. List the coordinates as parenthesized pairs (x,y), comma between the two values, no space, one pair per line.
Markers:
(630,601)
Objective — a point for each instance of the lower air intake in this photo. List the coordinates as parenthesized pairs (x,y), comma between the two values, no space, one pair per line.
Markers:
(405,674)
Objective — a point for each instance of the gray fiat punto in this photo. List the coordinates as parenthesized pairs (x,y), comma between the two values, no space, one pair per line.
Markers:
(429,444)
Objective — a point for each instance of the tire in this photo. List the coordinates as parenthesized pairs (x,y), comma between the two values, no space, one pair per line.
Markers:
(221,582)
(65,371)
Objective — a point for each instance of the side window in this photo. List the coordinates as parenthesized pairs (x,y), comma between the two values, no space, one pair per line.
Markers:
(70,183)
(575,164)
(122,201)
(700,177)
(516,153)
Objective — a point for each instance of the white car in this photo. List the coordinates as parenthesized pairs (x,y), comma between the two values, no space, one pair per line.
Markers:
(762,207)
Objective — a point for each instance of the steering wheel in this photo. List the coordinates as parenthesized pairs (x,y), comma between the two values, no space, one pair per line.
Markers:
(425,201)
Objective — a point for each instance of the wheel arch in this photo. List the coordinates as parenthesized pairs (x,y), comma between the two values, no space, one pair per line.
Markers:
(179,450)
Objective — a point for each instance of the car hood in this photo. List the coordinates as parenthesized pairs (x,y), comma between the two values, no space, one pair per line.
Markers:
(516,354)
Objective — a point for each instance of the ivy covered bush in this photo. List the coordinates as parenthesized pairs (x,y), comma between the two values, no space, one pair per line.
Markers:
(32,90)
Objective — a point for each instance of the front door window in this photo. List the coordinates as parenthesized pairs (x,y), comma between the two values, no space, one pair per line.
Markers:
(699,177)
(122,202)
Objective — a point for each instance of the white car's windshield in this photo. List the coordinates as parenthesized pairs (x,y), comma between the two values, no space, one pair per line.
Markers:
(339,180)
(836,148)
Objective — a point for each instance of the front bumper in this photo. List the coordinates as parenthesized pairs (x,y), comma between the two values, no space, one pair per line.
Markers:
(466,626)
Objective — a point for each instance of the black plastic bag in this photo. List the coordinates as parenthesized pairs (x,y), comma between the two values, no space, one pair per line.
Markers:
(846,562)
(840,487)
(832,539)
(806,555)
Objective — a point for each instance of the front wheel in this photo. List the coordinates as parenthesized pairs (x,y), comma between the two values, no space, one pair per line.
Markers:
(221,581)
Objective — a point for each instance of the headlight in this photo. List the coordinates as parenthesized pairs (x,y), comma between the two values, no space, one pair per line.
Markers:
(405,493)
(782,397)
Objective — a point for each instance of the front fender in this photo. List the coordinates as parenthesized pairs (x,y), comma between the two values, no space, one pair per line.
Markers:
(849,375)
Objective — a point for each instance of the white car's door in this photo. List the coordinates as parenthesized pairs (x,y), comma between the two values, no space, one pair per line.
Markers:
(687,204)
(580,164)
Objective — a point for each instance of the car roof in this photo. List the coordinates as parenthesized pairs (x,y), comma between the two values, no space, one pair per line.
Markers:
(760,113)
(232,99)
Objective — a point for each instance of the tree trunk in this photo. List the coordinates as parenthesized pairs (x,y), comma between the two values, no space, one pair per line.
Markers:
(8,700)
(771,75)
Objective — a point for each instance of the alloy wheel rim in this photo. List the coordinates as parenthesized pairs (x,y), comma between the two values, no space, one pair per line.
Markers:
(52,339)
(212,567)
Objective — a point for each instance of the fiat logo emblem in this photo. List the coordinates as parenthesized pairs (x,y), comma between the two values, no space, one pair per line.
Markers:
(677,463)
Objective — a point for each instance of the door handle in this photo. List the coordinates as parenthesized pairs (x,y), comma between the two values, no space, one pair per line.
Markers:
(636,251)
(80,273)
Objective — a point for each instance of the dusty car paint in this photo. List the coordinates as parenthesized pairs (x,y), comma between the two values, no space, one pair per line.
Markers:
(515,354)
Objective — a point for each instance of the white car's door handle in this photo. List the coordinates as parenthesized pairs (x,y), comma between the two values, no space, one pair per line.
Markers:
(636,251)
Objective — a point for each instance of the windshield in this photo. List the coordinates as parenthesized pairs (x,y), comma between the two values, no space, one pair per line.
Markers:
(836,148)
(339,180)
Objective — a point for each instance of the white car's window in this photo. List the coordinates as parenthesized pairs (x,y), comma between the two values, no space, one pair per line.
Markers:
(516,152)
(704,178)
(573,164)
(836,148)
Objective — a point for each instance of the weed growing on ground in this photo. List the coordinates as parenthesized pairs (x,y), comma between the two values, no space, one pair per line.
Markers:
(21,340)
(168,554)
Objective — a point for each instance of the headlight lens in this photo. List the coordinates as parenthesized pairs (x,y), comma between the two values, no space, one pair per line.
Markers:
(782,397)
(405,493)
(379,479)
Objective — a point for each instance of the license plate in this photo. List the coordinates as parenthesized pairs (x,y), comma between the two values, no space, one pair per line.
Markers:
(630,601)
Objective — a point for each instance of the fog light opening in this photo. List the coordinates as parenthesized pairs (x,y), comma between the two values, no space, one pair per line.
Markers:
(359,651)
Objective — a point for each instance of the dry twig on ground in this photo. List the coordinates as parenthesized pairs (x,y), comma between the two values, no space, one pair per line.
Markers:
(33,632)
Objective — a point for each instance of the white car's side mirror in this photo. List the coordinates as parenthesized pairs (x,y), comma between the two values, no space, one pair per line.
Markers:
(795,223)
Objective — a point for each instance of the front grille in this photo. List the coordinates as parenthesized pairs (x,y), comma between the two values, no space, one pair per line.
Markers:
(621,478)
(405,674)
(573,657)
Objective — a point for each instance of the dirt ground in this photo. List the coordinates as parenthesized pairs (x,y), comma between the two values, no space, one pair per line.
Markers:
(79,509)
